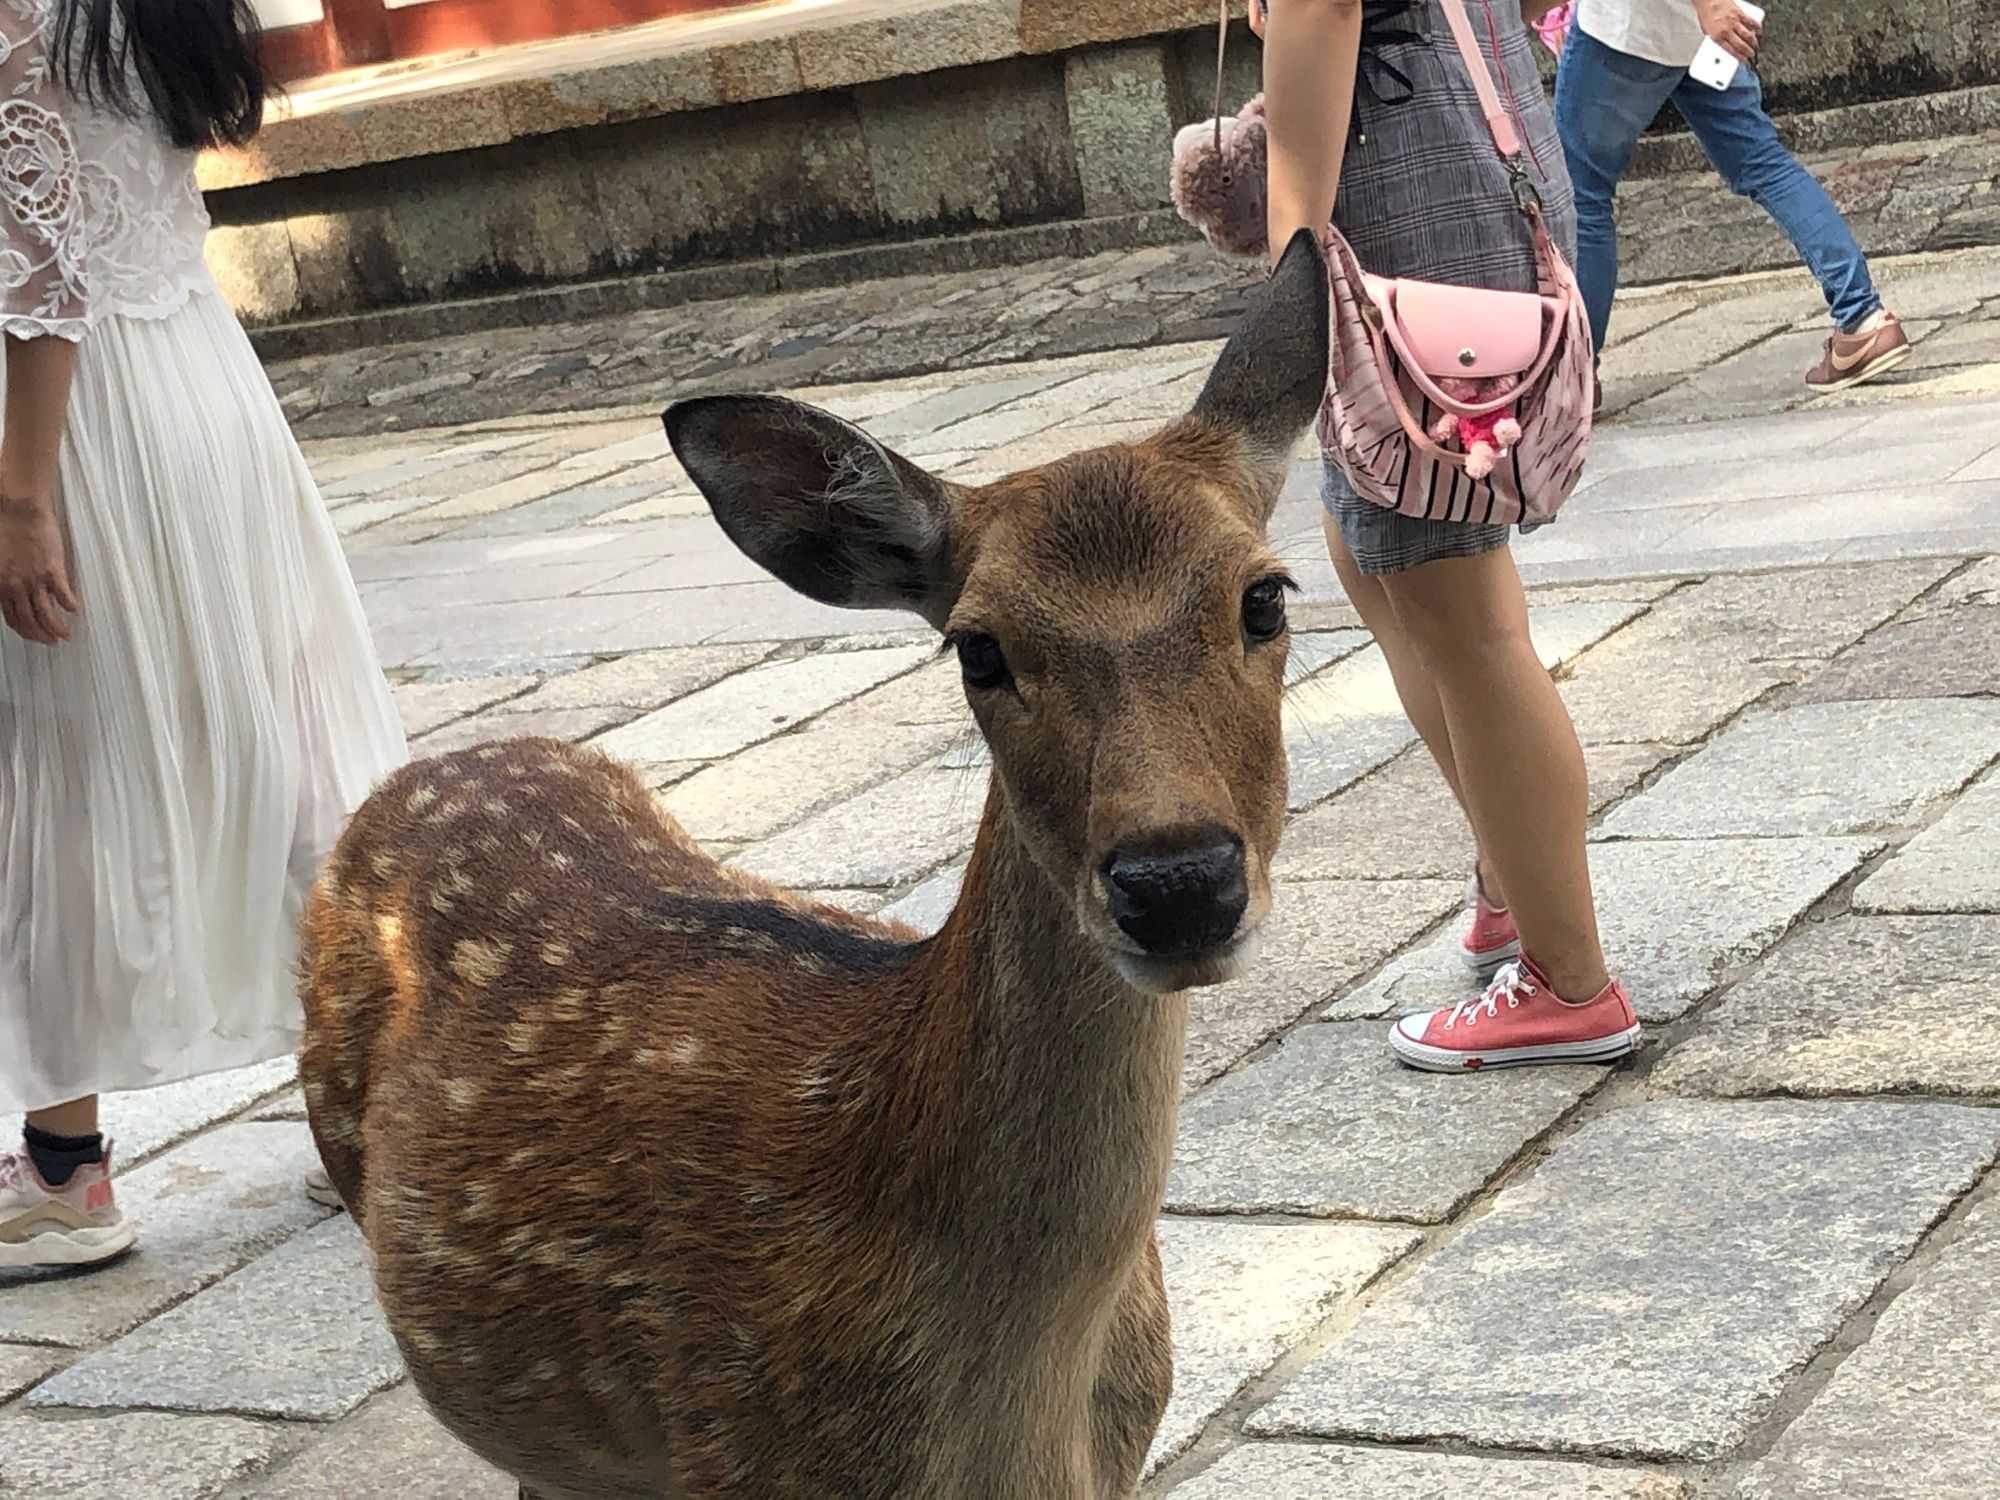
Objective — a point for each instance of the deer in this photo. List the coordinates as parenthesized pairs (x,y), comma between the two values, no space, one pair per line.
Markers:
(677,1184)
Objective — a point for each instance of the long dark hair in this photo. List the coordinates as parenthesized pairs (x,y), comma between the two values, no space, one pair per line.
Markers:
(196,60)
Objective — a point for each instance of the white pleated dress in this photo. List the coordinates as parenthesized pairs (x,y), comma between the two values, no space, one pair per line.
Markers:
(173,775)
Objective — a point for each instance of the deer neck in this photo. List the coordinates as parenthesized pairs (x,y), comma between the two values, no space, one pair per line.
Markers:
(1067,1077)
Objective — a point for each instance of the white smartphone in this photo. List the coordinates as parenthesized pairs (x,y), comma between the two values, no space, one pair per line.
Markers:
(1715,67)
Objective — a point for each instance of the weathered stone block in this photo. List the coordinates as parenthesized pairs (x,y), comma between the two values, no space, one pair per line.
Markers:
(884,837)
(1949,867)
(255,267)
(142,1122)
(1281,1136)
(392,1449)
(1121,123)
(151,1454)
(1241,1295)
(1921,1022)
(1283,1471)
(1650,1291)
(295,1334)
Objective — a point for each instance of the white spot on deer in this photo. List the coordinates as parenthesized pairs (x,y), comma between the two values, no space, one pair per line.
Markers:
(571,824)
(463,1095)
(556,953)
(421,798)
(687,1051)
(499,807)
(560,861)
(384,866)
(519,901)
(491,752)
(524,1038)
(487,844)
(480,961)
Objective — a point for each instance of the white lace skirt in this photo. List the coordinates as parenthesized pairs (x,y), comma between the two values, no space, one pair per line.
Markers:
(172,776)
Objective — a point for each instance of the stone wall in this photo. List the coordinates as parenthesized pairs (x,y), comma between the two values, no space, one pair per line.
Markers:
(824,144)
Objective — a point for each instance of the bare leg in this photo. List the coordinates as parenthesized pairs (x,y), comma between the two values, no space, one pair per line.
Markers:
(78,1117)
(1414,687)
(1521,772)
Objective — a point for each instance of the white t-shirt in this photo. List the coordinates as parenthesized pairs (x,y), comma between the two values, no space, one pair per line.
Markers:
(1661,31)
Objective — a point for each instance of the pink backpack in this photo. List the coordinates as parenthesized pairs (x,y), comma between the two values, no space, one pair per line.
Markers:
(1448,402)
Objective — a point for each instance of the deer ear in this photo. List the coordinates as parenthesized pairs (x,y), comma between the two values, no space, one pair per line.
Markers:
(1268,384)
(818,502)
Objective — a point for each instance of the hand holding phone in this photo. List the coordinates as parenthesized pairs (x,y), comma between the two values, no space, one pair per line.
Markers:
(1734,28)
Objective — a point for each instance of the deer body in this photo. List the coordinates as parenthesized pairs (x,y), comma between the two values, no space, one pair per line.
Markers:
(677,1185)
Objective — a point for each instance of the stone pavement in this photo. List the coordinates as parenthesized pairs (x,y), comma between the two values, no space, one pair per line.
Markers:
(1754,1264)
(1903,199)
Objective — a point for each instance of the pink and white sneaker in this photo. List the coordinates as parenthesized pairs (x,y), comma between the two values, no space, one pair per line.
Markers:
(1516,1021)
(77,1224)
(1492,940)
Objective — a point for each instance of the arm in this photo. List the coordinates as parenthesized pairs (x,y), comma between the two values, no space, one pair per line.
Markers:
(42,310)
(1312,49)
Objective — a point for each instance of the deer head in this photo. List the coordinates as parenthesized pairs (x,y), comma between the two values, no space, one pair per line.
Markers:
(1118,615)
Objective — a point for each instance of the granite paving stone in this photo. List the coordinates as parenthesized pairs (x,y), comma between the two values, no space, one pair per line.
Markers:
(1290,1471)
(295,1334)
(1861,1005)
(392,1449)
(926,905)
(1320,935)
(1950,866)
(427,706)
(154,1455)
(886,836)
(203,1209)
(1796,772)
(21,1365)
(1241,1295)
(1675,918)
(142,1122)
(1651,1289)
(1911,1412)
(754,705)
(642,680)
(1330,1125)
(1936,655)
(760,791)
(1402,822)
(502,723)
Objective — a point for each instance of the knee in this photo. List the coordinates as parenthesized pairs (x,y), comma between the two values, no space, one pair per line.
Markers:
(1461,638)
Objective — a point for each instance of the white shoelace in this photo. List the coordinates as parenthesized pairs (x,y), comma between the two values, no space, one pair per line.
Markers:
(1509,984)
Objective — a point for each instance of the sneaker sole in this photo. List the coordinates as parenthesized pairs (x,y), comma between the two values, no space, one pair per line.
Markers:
(1483,966)
(1868,371)
(76,1247)
(1430,1059)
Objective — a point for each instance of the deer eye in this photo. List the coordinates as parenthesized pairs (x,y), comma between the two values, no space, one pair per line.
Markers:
(1264,610)
(982,662)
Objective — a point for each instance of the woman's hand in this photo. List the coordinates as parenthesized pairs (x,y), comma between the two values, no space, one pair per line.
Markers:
(1725,24)
(36,599)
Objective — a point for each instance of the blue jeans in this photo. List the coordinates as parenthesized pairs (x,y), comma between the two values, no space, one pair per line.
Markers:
(1605,98)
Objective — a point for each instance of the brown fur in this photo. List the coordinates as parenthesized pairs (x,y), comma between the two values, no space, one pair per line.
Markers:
(677,1185)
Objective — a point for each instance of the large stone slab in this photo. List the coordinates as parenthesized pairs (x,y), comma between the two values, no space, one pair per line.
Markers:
(1650,1291)
(295,1334)
(144,1121)
(392,1449)
(1290,1471)
(1857,1006)
(1913,1411)
(755,705)
(641,680)
(1331,1125)
(1952,866)
(153,1455)
(927,905)
(1819,769)
(1675,918)
(1702,654)
(21,1365)
(1320,935)
(883,837)
(426,706)
(1242,1295)
(1402,822)
(203,1209)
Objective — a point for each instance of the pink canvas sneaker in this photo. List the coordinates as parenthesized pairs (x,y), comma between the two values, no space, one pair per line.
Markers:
(77,1224)
(1518,1020)
(1492,939)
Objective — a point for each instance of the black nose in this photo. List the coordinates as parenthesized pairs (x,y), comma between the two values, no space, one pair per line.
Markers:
(1180,896)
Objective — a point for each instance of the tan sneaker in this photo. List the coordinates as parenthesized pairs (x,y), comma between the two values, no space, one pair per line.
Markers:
(1879,345)
(77,1224)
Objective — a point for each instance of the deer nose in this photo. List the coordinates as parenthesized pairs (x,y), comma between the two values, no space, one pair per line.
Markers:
(1181,899)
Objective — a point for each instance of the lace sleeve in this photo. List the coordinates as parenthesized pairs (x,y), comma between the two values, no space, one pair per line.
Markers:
(43,265)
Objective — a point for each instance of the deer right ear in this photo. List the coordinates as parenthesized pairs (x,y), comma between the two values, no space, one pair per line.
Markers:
(1271,377)
(819,503)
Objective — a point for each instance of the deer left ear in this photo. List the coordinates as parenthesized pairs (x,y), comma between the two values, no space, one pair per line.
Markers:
(820,503)
(1271,377)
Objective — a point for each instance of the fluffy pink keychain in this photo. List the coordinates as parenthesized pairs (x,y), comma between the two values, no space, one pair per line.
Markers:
(1486,439)
(1218,180)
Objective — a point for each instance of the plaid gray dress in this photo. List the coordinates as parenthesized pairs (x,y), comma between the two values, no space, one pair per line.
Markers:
(1423,194)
